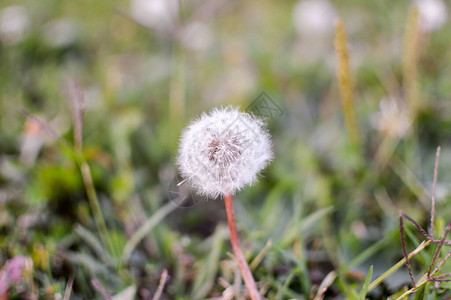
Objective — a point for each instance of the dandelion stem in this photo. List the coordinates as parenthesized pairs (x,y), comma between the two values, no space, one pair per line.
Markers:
(245,271)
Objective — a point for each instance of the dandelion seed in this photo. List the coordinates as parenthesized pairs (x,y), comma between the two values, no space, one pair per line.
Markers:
(223,151)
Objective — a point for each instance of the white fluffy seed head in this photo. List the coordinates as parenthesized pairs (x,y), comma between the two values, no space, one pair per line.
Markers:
(393,119)
(314,17)
(223,151)
(433,14)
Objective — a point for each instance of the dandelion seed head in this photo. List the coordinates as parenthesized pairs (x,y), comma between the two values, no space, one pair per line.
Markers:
(14,24)
(433,14)
(393,119)
(223,151)
(160,15)
(314,17)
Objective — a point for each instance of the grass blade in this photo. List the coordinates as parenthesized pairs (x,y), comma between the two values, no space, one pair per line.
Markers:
(305,280)
(93,243)
(398,265)
(364,290)
(150,223)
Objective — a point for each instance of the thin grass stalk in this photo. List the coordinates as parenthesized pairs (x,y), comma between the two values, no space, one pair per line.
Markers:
(245,270)
(437,251)
(410,60)
(404,249)
(177,84)
(77,103)
(398,265)
(99,288)
(76,100)
(94,203)
(258,259)
(163,279)
(434,187)
(346,83)
(441,277)
(422,281)
(69,286)
(441,262)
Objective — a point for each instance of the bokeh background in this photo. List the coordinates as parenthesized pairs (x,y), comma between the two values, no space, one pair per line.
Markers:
(327,205)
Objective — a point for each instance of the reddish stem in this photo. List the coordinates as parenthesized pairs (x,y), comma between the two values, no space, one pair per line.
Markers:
(245,271)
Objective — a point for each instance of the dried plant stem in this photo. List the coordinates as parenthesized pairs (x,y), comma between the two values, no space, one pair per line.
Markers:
(410,63)
(440,264)
(398,265)
(76,100)
(163,279)
(430,236)
(434,187)
(69,286)
(437,252)
(404,248)
(346,83)
(94,203)
(245,271)
(258,259)
(422,281)
(98,287)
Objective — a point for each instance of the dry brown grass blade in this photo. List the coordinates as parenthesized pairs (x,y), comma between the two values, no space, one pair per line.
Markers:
(98,287)
(77,103)
(346,83)
(163,279)
(44,127)
(434,187)
(69,286)
(410,60)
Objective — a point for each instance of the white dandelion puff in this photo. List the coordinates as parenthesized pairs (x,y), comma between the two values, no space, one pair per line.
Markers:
(314,17)
(14,24)
(433,14)
(160,15)
(393,119)
(224,151)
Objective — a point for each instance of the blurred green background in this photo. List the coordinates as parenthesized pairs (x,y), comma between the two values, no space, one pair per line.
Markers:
(328,202)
